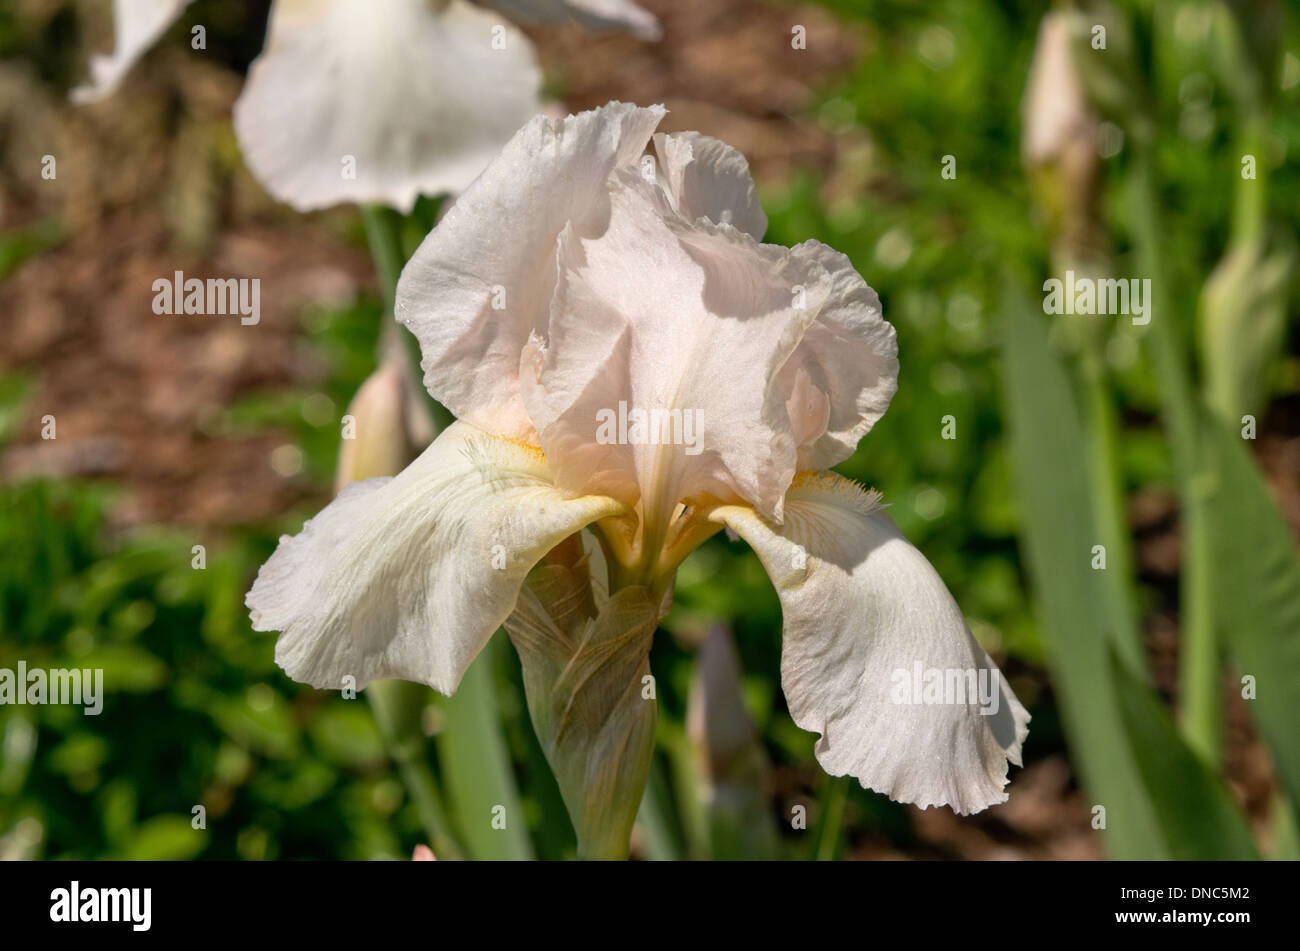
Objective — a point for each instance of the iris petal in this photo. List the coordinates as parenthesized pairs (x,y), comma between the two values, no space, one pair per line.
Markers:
(705,178)
(409,577)
(683,326)
(381,102)
(867,619)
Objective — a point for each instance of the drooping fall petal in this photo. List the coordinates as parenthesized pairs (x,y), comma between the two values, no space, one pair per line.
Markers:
(381,102)
(864,615)
(409,577)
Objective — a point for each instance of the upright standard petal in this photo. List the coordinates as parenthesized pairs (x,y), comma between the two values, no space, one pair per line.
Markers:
(482,281)
(409,577)
(592,14)
(656,380)
(706,178)
(381,102)
(876,656)
(137,24)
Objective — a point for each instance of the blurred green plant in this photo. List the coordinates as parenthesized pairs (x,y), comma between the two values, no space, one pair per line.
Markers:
(1144,774)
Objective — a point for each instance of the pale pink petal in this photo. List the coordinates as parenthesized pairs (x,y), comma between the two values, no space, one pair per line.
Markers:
(482,280)
(657,314)
(841,378)
(705,178)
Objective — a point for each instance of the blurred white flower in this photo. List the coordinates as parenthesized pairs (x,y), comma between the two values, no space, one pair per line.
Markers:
(381,102)
(355,101)
(137,24)
(578,276)
(592,14)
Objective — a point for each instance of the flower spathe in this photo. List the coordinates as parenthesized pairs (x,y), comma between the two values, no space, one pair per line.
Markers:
(595,263)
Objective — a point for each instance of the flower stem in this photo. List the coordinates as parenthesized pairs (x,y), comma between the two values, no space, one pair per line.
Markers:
(1199,691)
(834,797)
(396,706)
(384,235)
(1107,488)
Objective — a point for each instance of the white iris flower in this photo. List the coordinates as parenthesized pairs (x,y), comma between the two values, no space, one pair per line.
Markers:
(580,277)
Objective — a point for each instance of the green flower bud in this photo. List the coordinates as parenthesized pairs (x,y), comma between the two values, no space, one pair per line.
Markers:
(1242,320)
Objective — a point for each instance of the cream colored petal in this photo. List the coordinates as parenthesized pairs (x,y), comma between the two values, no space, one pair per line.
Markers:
(137,25)
(409,577)
(705,178)
(483,279)
(382,102)
(592,14)
(867,619)
(655,315)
